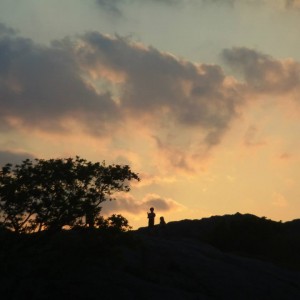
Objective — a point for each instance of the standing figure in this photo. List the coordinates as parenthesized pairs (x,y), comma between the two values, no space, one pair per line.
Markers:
(151,216)
(162,222)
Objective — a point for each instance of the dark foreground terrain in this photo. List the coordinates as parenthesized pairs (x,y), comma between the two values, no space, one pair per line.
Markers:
(229,257)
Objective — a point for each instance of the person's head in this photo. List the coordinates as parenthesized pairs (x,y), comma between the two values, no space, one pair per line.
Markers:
(162,218)
(151,209)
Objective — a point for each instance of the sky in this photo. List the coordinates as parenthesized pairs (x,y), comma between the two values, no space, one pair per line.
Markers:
(200,97)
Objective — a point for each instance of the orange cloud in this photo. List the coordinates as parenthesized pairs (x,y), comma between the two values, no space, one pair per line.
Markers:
(128,204)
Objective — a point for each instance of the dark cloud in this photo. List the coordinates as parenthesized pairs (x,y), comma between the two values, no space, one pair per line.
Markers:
(115,6)
(111,6)
(230,2)
(289,4)
(41,86)
(292,4)
(169,2)
(163,86)
(13,157)
(262,72)
(4,30)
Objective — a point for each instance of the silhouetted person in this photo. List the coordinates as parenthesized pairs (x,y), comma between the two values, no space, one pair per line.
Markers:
(151,216)
(162,222)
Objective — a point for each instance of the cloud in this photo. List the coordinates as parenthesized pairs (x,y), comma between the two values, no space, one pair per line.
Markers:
(176,158)
(263,73)
(230,2)
(285,156)
(171,2)
(291,4)
(116,8)
(149,179)
(4,30)
(128,204)
(13,157)
(111,6)
(162,87)
(252,137)
(270,3)
(99,83)
(42,86)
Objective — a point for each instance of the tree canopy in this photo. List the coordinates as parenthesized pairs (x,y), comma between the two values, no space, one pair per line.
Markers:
(49,194)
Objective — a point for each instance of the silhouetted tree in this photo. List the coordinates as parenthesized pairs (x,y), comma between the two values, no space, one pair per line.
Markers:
(48,194)
(118,222)
(17,206)
(115,222)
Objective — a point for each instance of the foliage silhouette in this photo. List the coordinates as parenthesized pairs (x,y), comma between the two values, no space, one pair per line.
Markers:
(118,222)
(49,194)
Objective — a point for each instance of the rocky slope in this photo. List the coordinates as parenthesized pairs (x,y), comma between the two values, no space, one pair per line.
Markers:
(199,259)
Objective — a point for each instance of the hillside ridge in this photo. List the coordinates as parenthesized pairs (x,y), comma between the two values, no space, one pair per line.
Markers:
(221,257)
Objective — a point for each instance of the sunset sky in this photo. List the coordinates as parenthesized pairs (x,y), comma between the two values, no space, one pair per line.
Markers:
(200,97)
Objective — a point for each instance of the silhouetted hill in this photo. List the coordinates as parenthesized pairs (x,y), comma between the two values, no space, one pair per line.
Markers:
(246,235)
(223,257)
